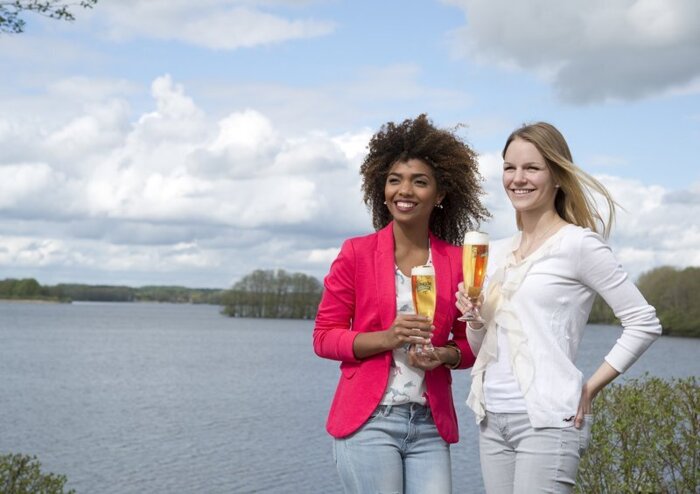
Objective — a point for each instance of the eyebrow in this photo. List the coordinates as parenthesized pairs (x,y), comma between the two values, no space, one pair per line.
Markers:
(524,164)
(412,175)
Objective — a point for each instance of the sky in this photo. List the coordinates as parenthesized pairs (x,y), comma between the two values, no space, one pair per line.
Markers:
(153,143)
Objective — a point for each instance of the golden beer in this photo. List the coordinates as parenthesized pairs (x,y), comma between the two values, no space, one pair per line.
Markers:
(424,292)
(475,256)
(424,295)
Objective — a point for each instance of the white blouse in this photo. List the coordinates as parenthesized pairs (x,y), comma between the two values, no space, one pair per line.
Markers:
(542,305)
(406,383)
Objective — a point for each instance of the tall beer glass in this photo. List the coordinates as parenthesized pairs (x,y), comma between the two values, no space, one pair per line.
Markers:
(424,294)
(475,255)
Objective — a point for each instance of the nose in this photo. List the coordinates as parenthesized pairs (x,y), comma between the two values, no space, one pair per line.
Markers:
(519,175)
(405,189)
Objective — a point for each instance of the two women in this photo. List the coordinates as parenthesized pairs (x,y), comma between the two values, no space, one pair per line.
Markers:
(392,417)
(530,400)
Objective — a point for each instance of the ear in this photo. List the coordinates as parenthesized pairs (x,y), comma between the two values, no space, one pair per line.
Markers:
(440,197)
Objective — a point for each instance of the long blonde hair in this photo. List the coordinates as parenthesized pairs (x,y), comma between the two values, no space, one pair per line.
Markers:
(574,201)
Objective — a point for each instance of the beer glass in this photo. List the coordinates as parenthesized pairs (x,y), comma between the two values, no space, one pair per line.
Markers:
(424,294)
(475,255)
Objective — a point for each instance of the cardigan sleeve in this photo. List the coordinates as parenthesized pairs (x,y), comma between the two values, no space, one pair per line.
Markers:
(332,337)
(599,269)
(475,337)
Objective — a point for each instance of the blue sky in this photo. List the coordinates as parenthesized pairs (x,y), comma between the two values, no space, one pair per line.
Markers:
(149,143)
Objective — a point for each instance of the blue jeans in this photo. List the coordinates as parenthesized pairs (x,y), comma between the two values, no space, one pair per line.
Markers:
(517,458)
(398,450)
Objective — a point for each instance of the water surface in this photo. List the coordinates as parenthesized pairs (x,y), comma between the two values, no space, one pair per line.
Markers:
(163,398)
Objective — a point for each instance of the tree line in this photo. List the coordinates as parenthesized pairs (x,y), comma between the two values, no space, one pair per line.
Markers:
(30,289)
(273,294)
(675,293)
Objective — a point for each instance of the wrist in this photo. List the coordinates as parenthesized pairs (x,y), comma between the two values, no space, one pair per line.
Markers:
(475,326)
(458,356)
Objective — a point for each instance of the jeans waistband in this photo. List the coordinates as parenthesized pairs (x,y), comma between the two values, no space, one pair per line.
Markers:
(411,408)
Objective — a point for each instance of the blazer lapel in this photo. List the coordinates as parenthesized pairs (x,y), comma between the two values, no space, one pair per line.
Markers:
(443,276)
(384,274)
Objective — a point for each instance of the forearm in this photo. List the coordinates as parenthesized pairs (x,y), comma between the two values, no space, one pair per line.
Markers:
(603,376)
(600,378)
(367,344)
(475,336)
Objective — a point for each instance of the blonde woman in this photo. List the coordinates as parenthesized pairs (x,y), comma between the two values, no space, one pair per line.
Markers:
(530,401)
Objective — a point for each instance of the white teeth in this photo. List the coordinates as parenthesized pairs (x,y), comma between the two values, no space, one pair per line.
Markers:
(521,191)
(402,204)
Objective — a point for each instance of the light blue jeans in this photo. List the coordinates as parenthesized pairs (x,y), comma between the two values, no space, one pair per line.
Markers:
(517,458)
(397,451)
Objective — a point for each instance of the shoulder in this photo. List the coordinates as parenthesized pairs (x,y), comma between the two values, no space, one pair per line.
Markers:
(580,238)
(361,243)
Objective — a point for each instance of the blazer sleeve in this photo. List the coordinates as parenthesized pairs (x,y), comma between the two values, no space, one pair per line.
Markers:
(332,337)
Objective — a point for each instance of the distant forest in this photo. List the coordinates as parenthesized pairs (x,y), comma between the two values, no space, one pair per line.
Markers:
(274,294)
(675,293)
(30,289)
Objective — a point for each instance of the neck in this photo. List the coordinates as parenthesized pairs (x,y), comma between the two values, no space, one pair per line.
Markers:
(538,224)
(410,237)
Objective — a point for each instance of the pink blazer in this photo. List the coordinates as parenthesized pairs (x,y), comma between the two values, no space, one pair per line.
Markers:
(360,296)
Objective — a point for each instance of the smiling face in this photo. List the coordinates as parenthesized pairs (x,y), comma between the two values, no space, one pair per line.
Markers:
(411,192)
(527,178)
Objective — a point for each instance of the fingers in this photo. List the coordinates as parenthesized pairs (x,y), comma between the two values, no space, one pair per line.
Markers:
(413,320)
(584,407)
(422,360)
(405,332)
(463,303)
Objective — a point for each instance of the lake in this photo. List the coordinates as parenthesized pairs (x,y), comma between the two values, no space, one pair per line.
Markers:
(163,398)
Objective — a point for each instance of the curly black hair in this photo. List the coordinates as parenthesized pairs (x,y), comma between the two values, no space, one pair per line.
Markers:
(454,165)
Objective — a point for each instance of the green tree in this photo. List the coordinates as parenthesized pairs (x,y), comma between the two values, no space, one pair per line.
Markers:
(21,474)
(26,288)
(11,11)
(674,293)
(273,294)
(645,438)
(676,296)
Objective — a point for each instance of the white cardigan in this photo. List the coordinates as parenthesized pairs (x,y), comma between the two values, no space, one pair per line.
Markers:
(543,303)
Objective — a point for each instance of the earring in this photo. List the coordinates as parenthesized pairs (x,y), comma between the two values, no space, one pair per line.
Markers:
(557,186)
(385,203)
(438,205)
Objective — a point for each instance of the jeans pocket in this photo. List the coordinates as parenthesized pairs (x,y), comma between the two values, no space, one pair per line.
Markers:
(585,433)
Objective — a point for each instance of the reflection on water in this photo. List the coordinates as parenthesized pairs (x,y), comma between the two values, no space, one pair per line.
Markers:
(160,398)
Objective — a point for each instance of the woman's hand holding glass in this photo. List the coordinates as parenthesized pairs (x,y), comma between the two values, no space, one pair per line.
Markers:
(475,256)
(408,328)
(430,360)
(467,305)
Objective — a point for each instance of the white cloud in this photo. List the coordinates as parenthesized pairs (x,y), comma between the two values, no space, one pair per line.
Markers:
(220,24)
(591,50)
(19,181)
(148,196)
(177,192)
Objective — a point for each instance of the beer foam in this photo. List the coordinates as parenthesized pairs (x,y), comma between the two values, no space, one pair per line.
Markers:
(476,238)
(426,270)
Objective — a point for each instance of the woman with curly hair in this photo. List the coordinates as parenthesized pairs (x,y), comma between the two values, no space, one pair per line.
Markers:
(392,416)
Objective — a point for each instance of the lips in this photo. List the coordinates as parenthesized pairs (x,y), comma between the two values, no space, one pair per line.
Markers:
(404,205)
